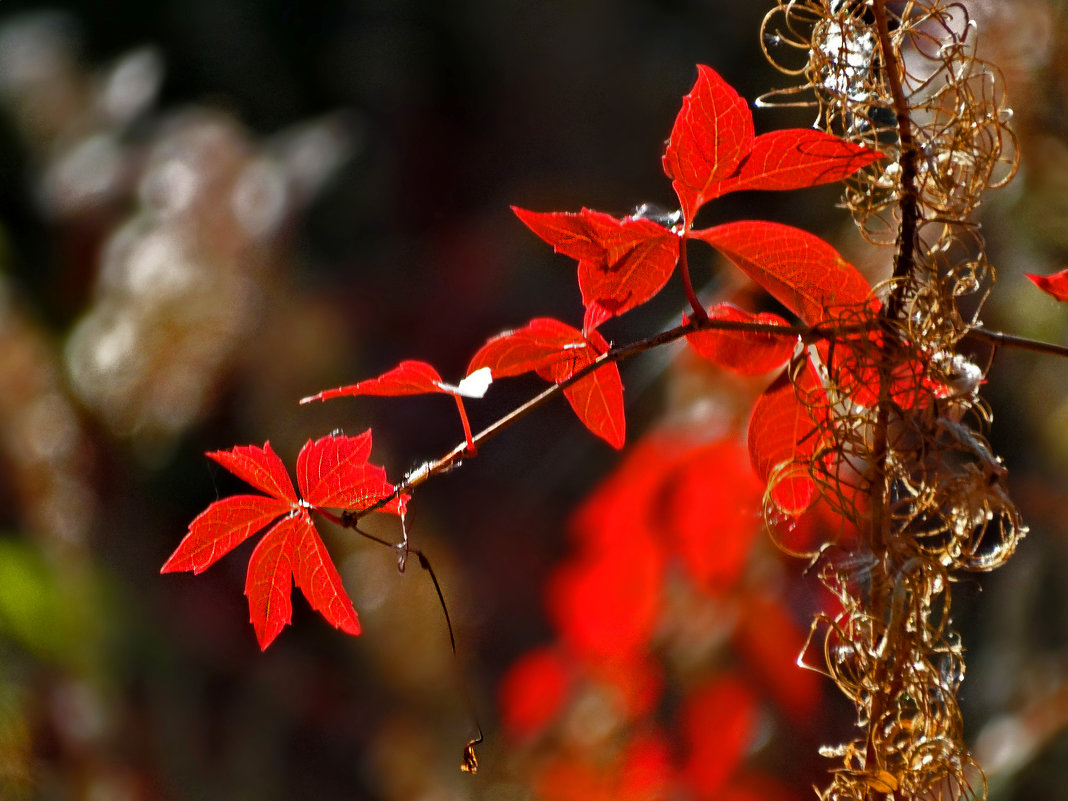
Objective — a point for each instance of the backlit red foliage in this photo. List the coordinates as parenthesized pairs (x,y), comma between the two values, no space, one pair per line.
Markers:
(332,472)
(678,520)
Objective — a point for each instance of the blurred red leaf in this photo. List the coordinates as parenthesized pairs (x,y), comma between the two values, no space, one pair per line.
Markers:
(744,352)
(1055,285)
(797,268)
(642,771)
(533,691)
(556,351)
(714,513)
(332,471)
(718,723)
(622,262)
(771,641)
(712,133)
(605,601)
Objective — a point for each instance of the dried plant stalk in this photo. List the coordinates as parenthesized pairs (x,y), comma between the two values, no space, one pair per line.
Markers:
(899,447)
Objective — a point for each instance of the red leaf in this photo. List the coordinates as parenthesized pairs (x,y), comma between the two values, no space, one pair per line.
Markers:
(544,343)
(334,472)
(797,268)
(622,263)
(556,351)
(719,721)
(782,440)
(260,467)
(713,513)
(606,601)
(796,158)
(533,691)
(744,352)
(221,527)
(407,378)
(598,401)
(331,471)
(318,579)
(270,578)
(1055,285)
(712,134)
(771,641)
(292,550)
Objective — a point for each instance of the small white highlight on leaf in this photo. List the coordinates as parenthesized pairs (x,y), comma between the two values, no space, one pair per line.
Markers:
(474,385)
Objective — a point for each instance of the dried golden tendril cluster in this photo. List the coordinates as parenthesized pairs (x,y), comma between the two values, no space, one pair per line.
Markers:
(897,446)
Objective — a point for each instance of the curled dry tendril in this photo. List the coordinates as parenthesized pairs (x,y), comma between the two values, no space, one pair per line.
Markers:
(897,443)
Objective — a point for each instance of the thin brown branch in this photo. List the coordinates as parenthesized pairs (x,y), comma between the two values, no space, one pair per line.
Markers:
(1002,340)
(806,333)
(908,202)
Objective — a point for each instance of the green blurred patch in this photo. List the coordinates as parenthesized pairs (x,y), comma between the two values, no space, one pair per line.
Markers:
(50,610)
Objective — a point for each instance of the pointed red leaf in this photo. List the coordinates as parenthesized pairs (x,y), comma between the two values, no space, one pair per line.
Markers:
(622,263)
(597,399)
(221,527)
(270,579)
(797,268)
(407,378)
(334,472)
(741,351)
(292,551)
(260,467)
(318,579)
(783,436)
(796,158)
(541,344)
(1055,285)
(556,351)
(712,134)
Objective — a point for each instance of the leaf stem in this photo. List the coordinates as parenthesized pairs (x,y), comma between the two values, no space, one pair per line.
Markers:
(472,449)
(699,312)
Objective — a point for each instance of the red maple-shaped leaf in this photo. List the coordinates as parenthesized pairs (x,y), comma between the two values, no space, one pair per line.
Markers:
(797,268)
(556,351)
(622,262)
(712,150)
(1056,285)
(745,352)
(331,472)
